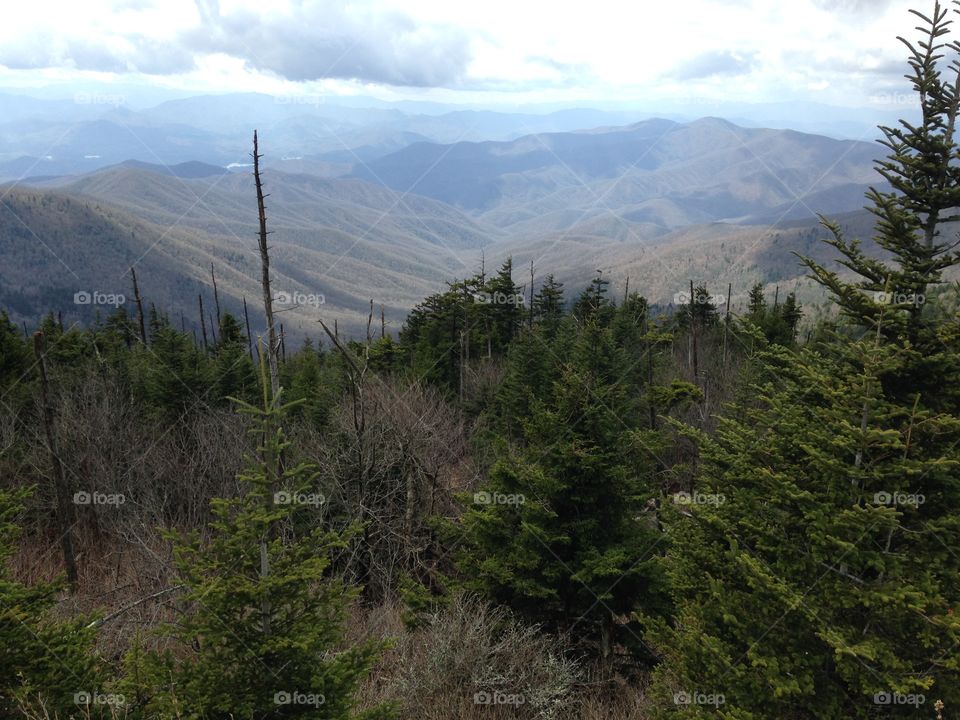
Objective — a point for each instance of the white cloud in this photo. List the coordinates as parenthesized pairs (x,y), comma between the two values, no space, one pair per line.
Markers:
(834,50)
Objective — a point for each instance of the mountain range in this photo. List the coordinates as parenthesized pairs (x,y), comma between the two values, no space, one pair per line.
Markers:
(658,200)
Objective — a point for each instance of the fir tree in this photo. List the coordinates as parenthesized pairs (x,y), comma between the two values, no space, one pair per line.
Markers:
(504,306)
(756,304)
(824,582)
(817,572)
(264,619)
(554,533)
(548,303)
(14,354)
(45,663)
(234,373)
(593,303)
(890,297)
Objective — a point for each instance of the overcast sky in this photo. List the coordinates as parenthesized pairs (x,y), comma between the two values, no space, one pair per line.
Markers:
(519,51)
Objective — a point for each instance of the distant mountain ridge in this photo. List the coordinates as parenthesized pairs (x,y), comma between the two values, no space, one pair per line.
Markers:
(397,227)
(651,177)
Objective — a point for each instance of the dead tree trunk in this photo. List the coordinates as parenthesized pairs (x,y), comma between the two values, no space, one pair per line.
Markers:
(726,326)
(139,301)
(65,510)
(213,331)
(370,322)
(693,337)
(272,363)
(216,295)
(203,322)
(530,316)
(246,317)
(649,343)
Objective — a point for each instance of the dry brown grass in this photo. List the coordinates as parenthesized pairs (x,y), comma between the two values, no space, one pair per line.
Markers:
(472,651)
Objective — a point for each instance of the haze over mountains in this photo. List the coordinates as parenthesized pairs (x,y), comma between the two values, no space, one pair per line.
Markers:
(98,127)
(388,204)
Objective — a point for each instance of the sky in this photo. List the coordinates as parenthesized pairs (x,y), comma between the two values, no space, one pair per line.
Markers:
(488,52)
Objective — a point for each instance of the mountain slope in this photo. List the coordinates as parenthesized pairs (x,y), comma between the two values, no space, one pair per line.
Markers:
(656,172)
(343,241)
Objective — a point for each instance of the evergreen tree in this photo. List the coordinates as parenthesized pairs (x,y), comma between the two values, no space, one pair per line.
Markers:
(791,312)
(431,338)
(504,306)
(14,355)
(757,304)
(548,304)
(593,303)
(700,308)
(171,375)
(554,533)
(824,585)
(44,662)
(233,370)
(822,574)
(263,623)
(890,297)
(313,383)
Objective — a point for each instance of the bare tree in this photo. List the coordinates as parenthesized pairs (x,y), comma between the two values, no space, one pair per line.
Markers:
(139,301)
(272,347)
(65,510)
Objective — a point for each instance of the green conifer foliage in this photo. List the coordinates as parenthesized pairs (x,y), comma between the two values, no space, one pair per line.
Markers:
(263,627)
(44,662)
(823,581)
(556,532)
(924,173)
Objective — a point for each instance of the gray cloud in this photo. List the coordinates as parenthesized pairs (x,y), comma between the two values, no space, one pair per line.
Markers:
(716,62)
(857,7)
(139,54)
(315,39)
(325,40)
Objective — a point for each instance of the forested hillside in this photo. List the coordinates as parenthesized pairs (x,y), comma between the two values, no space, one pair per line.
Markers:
(530,501)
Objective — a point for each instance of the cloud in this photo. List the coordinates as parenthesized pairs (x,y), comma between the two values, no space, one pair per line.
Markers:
(304,40)
(715,62)
(134,53)
(314,40)
(854,7)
